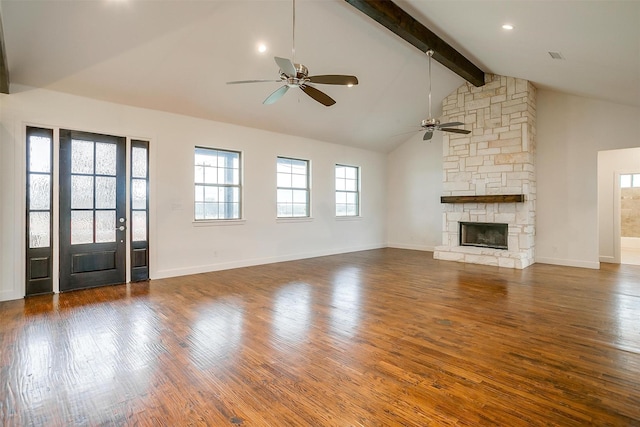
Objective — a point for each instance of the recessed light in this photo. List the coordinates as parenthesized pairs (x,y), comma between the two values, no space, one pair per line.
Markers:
(507,27)
(262,48)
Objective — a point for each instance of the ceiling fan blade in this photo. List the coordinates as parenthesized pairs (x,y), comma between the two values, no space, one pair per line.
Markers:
(319,96)
(448,125)
(463,131)
(427,136)
(334,79)
(276,95)
(251,81)
(286,66)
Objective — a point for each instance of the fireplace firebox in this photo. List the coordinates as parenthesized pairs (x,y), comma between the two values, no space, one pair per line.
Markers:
(484,234)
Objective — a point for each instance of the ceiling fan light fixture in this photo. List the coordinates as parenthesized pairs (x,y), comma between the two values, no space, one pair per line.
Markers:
(294,75)
(431,124)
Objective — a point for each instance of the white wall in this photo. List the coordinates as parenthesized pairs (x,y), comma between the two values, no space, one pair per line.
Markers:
(178,246)
(609,163)
(571,132)
(414,212)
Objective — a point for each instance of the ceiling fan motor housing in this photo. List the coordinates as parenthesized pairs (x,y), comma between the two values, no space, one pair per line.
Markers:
(299,79)
(429,123)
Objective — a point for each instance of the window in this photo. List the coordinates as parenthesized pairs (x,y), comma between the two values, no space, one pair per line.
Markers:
(293,188)
(39,186)
(39,220)
(347,190)
(139,210)
(630,180)
(217,184)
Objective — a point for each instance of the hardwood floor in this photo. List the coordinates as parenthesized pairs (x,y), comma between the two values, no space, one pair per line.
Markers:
(385,337)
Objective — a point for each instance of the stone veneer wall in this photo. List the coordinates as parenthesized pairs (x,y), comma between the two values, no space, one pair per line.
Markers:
(630,212)
(496,158)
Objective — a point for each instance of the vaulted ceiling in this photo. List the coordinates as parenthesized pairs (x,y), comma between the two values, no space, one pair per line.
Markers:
(176,56)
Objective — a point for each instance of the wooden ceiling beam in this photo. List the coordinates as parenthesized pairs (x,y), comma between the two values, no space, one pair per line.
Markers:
(404,25)
(4,66)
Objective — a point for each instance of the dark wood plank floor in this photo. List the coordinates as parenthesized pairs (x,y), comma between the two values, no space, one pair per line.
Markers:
(376,338)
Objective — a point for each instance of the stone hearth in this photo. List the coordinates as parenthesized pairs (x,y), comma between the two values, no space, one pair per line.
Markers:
(497,158)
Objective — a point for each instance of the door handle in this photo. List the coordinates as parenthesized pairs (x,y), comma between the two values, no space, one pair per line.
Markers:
(121,228)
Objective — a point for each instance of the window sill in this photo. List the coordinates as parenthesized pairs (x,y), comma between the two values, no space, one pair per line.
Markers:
(294,219)
(217,222)
(349,218)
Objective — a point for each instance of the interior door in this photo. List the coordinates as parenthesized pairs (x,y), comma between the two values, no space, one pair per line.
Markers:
(92,210)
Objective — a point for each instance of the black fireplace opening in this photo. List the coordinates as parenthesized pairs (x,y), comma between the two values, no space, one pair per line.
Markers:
(484,234)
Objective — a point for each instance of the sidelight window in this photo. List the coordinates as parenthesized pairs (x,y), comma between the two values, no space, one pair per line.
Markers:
(39,210)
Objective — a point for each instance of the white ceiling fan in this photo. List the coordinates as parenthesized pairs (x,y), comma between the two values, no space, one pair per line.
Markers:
(297,76)
(430,125)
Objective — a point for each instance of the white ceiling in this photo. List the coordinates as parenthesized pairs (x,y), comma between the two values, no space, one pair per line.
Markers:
(176,55)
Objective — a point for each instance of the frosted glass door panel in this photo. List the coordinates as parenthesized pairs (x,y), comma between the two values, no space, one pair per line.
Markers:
(82,157)
(139,162)
(39,154)
(81,227)
(39,229)
(105,226)
(81,192)
(105,192)
(139,226)
(105,159)
(138,194)
(39,192)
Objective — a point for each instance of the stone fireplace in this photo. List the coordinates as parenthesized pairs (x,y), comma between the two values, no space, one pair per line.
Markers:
(489,175)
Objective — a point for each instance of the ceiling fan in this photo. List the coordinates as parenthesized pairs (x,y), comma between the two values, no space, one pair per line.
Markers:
(430,125)
(297,76)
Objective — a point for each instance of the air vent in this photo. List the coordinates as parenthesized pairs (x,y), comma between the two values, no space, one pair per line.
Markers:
(556,55)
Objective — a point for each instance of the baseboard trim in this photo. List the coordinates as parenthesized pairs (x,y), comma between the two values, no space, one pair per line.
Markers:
(630,242)
(10,296)
(163,274)
(411,247)
(569,262)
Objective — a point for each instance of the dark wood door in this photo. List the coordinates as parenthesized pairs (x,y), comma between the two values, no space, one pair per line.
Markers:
(92,210)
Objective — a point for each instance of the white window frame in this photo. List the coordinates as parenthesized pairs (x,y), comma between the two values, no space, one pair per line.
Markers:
(292,188)
(342,188)
(200,181)
(634,180)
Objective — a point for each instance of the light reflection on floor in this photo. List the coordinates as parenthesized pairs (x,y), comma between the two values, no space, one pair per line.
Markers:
(216,334)
(292,313)
(345,302)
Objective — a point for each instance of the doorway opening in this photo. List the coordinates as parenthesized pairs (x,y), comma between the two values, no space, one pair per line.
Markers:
(630,218)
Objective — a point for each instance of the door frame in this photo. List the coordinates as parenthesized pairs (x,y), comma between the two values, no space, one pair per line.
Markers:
(617,223)
(55,237)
